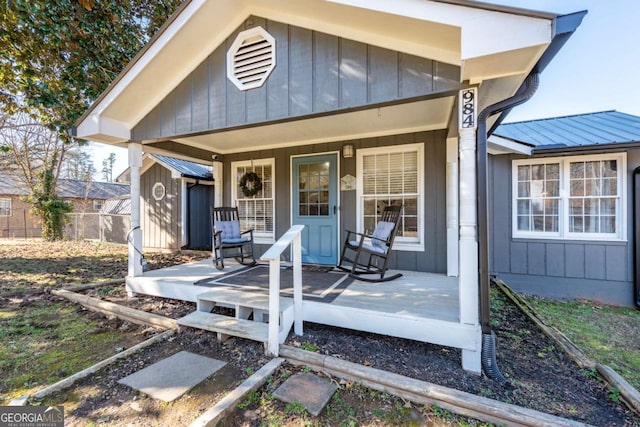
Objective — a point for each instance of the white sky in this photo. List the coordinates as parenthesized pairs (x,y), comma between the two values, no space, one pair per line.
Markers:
(597,69)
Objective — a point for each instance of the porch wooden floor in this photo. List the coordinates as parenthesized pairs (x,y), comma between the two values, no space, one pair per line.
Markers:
(415,294)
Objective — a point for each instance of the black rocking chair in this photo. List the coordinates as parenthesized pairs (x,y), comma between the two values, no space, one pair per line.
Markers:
(369,253)
(228,241)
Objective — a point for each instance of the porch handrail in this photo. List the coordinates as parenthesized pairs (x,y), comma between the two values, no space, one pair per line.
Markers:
(291,238)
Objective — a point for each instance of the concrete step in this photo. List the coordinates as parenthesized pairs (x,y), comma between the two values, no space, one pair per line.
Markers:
(238,297)
(256,331)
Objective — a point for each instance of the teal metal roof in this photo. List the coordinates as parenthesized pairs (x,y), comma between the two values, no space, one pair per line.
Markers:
(580,130)
(186,168)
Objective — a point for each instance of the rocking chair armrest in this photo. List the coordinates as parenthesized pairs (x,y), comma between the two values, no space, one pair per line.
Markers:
(365,235)
(361,236)
(250,231)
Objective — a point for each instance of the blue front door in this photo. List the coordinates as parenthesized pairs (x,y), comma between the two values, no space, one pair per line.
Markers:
(315,204)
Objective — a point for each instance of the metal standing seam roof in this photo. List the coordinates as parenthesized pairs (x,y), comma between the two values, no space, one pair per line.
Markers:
(186,168)
(580,130)
(71,188)
(11,184)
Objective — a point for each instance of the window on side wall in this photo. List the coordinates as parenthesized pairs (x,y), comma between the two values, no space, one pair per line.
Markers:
(5,207)
(97,205)
(578,197)
(257,211)
(390,176)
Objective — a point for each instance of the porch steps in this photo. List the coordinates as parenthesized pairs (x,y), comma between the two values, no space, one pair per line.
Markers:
(246,305)
(227,325)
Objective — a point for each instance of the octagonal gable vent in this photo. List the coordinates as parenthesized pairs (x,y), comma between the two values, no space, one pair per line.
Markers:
(251,58)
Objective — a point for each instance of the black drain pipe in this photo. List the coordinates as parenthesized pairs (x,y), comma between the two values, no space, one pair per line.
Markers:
(636,231)
(489,364)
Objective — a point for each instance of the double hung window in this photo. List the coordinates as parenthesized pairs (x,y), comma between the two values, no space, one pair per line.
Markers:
(391,176)
(577,197)
(256,212)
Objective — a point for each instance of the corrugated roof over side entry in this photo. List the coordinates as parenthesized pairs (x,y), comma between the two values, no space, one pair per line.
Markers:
(186,168)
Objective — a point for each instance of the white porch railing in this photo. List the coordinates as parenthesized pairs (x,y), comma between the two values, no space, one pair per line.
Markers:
(290,238)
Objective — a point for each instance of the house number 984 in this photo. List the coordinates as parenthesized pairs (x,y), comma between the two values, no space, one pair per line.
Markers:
(468,108)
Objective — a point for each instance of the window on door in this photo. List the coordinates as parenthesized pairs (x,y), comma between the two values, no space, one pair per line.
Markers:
(313,189)
(256,212)
(391,176)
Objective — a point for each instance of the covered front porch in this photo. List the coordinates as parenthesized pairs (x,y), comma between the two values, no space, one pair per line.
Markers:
(419,306)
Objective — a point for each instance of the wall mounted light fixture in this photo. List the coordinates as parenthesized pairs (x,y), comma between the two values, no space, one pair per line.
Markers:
(347,151)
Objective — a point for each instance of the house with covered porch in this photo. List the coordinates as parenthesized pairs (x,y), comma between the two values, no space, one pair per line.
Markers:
(341,108)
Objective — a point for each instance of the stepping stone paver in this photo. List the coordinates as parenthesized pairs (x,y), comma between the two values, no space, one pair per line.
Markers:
(172,377)
(307,389)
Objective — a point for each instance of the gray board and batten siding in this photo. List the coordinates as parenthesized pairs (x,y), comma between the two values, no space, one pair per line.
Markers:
(316,73)
(160,219)
(566,269)
(433,258)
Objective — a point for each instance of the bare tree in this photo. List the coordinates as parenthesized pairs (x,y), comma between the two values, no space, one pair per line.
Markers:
(35,154)
(107,167)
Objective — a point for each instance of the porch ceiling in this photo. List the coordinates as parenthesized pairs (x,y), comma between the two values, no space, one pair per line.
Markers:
(411,117)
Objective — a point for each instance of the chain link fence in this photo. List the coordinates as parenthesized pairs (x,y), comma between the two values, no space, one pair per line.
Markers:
(79,226)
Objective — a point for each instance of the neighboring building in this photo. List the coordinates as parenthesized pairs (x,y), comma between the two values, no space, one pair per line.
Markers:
(563,218)
(115,219)
(340,107)
(176,200)
(87,198)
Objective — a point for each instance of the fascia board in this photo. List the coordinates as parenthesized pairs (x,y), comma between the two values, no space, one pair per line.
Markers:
(504,145)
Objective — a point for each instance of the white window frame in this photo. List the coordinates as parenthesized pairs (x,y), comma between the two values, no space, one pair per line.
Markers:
(6,207)
(412,244)
(258,237)
(97,204)
(563,207)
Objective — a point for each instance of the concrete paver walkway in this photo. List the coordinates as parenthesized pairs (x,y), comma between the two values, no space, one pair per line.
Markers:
(172,377)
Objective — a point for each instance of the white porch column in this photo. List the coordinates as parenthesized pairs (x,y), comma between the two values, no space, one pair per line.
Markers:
(468,274)
(452,207)
(135,240)
(218,184)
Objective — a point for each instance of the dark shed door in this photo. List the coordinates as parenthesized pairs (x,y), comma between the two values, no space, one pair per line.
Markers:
(199,204)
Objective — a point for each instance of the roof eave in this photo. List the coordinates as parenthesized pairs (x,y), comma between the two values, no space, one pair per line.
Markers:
(592,148)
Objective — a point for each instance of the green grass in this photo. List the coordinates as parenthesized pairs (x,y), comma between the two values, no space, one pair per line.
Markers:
(44,339)
(610,335)
(45,342)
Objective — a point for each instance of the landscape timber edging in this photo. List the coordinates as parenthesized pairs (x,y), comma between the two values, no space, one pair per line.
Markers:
(459,402)
(132,315)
